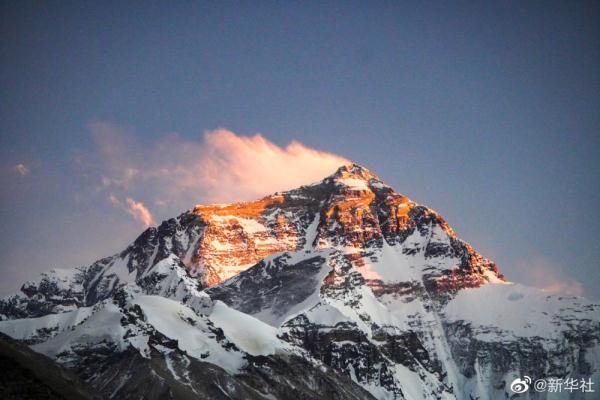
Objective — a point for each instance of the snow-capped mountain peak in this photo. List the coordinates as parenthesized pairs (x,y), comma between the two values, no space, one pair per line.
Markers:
(342,287)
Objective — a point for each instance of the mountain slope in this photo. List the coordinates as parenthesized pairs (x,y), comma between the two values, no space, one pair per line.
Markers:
(28,375)
(343,287)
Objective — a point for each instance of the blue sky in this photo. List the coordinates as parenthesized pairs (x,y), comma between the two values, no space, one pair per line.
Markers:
(484,111)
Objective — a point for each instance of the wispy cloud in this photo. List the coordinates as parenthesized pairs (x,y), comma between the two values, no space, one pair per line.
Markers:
(139,212)
(22,169)
(134,208)
(543,274)
(174,173)
(568,286)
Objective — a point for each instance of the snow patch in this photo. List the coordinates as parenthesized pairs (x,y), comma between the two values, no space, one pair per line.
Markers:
(248,333)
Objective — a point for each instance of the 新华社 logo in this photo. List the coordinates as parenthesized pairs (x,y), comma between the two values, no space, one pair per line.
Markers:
(520,385)
(553,385)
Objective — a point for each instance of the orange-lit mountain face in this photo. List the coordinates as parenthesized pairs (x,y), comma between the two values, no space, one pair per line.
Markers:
(352,210)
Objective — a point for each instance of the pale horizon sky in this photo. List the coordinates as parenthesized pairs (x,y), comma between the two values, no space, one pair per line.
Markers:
(115,116)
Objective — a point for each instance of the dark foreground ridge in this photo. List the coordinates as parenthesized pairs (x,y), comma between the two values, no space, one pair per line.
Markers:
(30,375)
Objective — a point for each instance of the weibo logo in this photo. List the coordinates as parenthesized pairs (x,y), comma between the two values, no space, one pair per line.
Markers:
(520,385)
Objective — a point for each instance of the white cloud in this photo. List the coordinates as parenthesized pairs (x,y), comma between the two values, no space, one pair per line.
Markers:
(236,167)
(174,173)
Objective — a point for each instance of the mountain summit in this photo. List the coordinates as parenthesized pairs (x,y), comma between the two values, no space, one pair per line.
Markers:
(353,171)
(343,289)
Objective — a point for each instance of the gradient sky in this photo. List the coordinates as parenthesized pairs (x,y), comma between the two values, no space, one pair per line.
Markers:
(487,112)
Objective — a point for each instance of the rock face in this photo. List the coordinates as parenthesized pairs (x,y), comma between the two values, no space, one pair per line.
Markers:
(341,289)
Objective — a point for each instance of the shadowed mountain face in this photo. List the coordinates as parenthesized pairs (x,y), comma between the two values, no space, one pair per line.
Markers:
(30,375)
(343,287)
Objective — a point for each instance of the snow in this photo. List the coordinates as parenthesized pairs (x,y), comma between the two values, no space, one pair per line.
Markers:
(192,244)
(403,310)
(28,328)
(353,183)
(311,232)
(428,383)
(329,311)
(140,342)
(438,339)
(248,333)
(62,277)
(175,281)
(153,256)
(229,271)
(410,382)
(221,246)
(119,267)
(164,266)
(493,278)
(379,185)
(179,322)
(249,225)
(267,241)
(102,326)
(392,265)
(525,312)
(326,315)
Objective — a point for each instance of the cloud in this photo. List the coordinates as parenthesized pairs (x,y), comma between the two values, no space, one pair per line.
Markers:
(568,286)
(173,173)
(22,169)
(545,275)
(134,208)
(237,167)
(139,212)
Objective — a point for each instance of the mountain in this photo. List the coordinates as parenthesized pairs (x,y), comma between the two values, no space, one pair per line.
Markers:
(30,375)
(343,289)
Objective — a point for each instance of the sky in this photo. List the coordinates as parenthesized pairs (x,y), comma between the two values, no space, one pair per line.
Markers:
(116,116)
